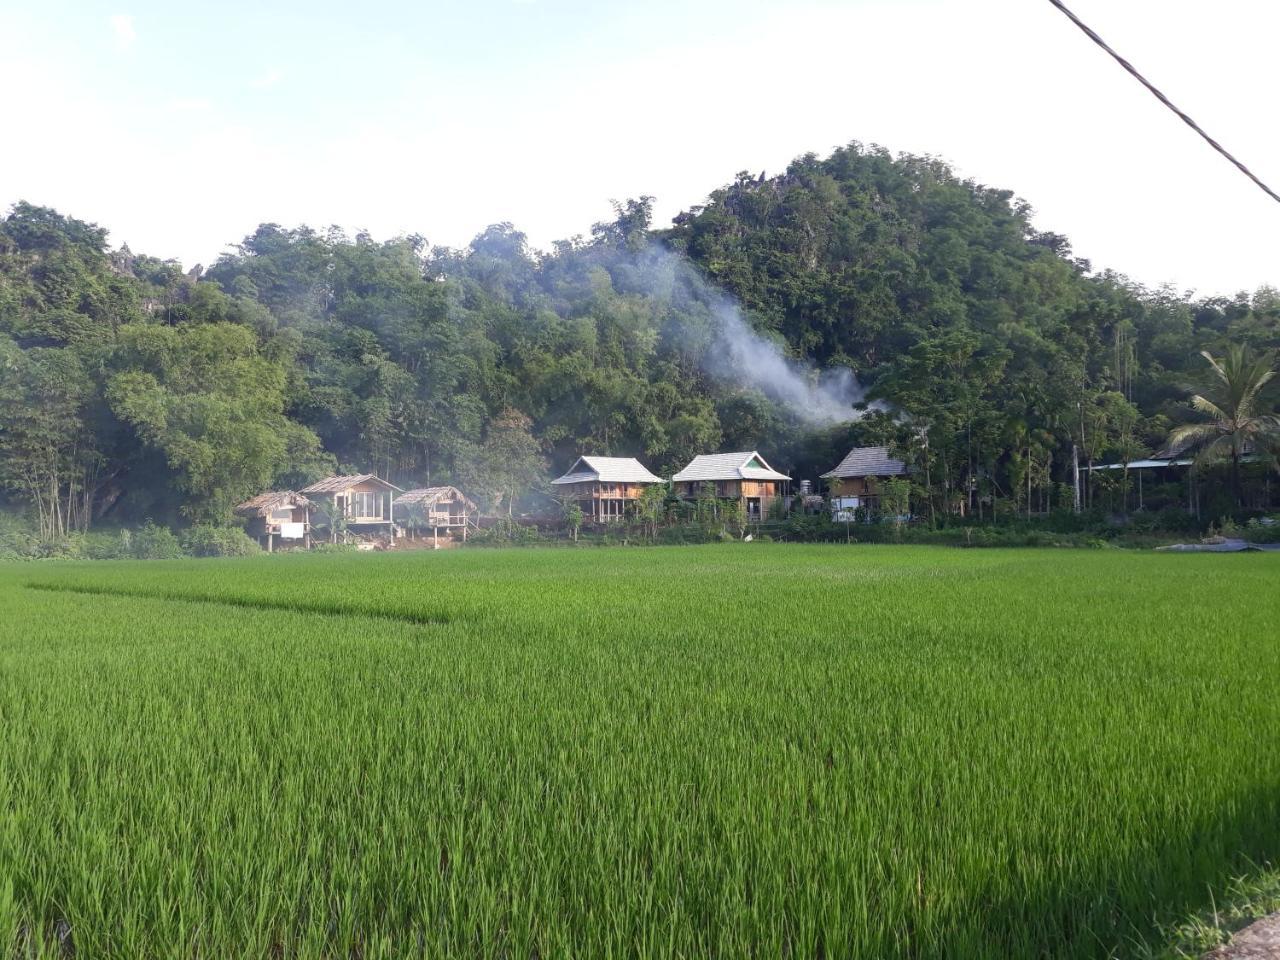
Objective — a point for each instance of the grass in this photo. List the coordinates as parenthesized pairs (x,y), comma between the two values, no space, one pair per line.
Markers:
(722,751)
(1247,898)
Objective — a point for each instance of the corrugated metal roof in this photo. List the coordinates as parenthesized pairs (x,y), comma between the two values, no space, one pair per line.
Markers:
(1152,464)
(867,462)
(264,503)
(728,466)
(608,470)
(343,483)
(425,496)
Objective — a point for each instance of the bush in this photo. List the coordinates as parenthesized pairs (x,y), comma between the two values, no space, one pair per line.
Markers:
(17,540)
(507,534)
(325,547)
(206,540)
(104,545)
(150,542)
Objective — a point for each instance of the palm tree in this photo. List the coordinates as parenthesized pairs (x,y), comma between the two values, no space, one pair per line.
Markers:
(1232,401)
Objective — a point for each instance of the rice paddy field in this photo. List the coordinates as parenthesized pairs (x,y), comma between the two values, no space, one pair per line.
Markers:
(725,751)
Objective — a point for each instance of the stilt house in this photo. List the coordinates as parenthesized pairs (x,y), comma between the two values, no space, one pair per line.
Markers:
(435,509)
(277,515)
(734,476)
(854,482)
(603,486)
(363,501)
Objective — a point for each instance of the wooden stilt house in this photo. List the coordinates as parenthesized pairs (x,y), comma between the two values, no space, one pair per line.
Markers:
(435,509)
(278,516)
(854,483)
(602,487)
(744,476)
(361,503)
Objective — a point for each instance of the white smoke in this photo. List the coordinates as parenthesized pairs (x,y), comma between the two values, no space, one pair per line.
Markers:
(741,355)
(737,354)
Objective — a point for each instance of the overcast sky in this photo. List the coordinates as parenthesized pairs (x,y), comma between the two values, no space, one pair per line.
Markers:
(182,127)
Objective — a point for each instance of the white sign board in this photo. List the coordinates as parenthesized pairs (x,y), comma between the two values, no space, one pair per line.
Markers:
(292,531)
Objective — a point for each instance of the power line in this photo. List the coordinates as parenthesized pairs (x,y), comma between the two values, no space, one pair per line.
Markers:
(1163,99)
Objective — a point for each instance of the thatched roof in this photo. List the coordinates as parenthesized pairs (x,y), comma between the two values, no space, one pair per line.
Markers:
(747,465)
(266,503)
(608,470)
(867,462)
(426,496)
(341,484)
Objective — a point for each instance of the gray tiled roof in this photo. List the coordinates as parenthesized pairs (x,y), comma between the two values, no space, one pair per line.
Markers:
(868,462)
(728,466)
(608,470)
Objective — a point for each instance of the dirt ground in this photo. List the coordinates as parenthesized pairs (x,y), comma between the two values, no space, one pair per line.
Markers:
(1258,941)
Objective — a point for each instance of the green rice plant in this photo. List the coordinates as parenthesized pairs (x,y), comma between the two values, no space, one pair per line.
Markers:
(724,750)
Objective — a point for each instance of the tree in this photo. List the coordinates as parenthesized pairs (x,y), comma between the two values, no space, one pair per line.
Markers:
(508,463)
(572,514)
(1234,402)
(649,507)
(206,398)
(48,454)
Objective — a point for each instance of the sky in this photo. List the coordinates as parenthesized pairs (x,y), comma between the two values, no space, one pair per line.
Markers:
(181,127)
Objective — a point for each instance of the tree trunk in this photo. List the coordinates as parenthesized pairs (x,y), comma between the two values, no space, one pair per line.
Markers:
(1235,476)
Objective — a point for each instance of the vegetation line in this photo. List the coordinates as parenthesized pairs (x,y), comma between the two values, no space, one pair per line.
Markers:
(434,618)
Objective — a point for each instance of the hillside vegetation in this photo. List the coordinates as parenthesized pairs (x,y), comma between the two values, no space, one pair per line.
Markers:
(132,389)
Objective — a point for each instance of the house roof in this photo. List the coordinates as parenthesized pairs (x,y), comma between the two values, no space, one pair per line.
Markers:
(1152,464)
(867,462)
(608,470)
(342,483)
(747,465)
(264,503)
(425,496)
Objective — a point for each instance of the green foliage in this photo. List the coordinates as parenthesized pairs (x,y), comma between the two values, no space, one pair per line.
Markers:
(134,389)
(205,540)
(207,399)
(151,542)
(742,750)
(508,464)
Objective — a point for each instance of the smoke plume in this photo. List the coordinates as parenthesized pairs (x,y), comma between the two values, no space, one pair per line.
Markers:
(733,352)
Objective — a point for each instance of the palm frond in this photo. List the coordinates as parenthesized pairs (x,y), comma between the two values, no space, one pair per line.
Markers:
(1216,450)
(1217,367)
(1258,379)
(1207,406)
(1191,435)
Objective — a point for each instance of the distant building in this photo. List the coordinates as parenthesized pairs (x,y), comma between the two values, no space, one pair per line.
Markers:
(364,502)
(435,509)
(854,483)
(603,486)
(277,515)
(733,476)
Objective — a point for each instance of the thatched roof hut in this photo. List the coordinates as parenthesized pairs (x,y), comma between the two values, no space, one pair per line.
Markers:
(265,504)
(428,496)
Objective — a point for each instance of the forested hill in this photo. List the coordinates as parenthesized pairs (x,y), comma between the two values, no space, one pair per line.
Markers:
(133,389)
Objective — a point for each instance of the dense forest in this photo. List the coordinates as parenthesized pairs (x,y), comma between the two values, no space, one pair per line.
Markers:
(132,389)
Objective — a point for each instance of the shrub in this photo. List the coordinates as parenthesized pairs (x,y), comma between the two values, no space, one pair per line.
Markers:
(150,542)
(206,540)
(325,547)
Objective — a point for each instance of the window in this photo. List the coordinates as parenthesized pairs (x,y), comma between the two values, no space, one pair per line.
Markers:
(364,504)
